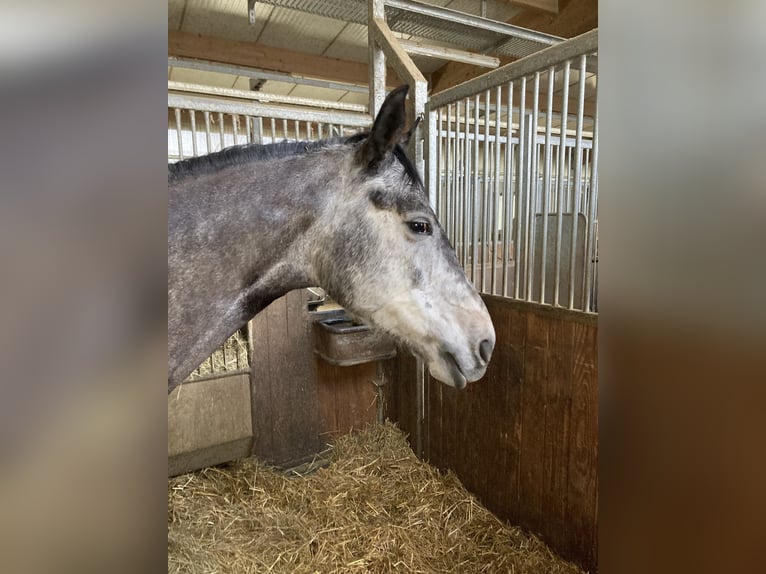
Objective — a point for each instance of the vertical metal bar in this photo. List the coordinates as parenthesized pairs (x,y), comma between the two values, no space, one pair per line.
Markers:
(448,181)
(320,130)
(590,248)
(179,135)
(533,188)
(475,194)
(508,190)
(496,188)
(485,192)
(234,128)
(466,182)
(248,130)
(458,154)
(577,182)
(309,131)
(193,121)
(546,182)
(520,187)
(207,133)
(560,183)
(432,159)
(273,126)
(220,130)
(439,168)
(284,130)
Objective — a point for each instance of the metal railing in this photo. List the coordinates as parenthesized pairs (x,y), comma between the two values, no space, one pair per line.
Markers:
(512,173)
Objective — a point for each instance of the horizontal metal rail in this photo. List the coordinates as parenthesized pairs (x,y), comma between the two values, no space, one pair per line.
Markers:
(264,97)
(585,44)
(196,103)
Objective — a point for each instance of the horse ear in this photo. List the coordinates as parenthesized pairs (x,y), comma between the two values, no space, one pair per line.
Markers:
(386,130)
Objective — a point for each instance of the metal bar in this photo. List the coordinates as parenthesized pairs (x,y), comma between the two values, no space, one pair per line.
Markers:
(496,189)
(584,44)
(591,254)
(418,48)
(179,135)
(185,101)
(260,74)
(546,184)
(448,178)
(377,58)
(466,184)
(248,130)
(440,187)
(534,180)
(560,188)
(235,128)
(382,36)
(520,187)
(508,191)
(263,97)
(465,19)
(193,123)
(208,142)
(432,157)
(485,193)
(475,195)
(577,182)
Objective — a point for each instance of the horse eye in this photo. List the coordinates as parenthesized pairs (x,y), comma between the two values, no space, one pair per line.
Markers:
(420,227)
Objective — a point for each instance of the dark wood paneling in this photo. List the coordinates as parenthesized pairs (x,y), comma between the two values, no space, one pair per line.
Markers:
(524,437)
(283,382)
(400,404)
(347,397)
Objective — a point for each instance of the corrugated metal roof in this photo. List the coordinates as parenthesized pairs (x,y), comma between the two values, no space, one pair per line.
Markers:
(333,28)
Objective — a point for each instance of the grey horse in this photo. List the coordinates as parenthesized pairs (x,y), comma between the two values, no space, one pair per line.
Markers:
(250,223)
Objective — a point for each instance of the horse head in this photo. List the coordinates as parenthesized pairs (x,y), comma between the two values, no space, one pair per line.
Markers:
(382,254)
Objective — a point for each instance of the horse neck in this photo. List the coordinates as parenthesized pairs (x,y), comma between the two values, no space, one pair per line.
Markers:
(262,213)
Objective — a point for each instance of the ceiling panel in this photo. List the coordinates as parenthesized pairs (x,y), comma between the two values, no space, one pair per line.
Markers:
(351,44)
(300,32)
(202,77)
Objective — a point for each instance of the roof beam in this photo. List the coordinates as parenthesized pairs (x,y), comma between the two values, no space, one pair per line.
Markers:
(185,45)
(574,18)
(542,5)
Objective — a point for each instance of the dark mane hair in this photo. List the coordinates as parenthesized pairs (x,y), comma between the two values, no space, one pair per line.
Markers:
(246,153)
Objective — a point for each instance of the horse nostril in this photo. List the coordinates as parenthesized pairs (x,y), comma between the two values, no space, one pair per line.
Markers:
(485,350)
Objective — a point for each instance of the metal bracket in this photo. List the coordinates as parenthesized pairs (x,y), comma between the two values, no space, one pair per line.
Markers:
(251,11)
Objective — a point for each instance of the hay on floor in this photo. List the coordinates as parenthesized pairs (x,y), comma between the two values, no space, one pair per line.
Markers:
(375,508)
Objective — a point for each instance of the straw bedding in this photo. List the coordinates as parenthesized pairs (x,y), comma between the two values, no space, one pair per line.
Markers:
(375,508)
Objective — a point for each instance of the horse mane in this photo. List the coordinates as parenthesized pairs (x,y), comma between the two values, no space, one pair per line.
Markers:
(247,153)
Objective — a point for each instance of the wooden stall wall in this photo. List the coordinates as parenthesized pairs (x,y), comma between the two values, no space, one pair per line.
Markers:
(287,410)
(300,402)
(524,438)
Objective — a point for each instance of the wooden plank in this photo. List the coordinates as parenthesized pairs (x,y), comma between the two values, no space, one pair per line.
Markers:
(400,393)
(186,45)
(328,421)
(506,372)
(524,438)
(581,495)
(557,391)
(533,423)
(284,394)
(209,422)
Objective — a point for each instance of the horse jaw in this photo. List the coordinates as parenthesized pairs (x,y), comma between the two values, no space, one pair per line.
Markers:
(446,336)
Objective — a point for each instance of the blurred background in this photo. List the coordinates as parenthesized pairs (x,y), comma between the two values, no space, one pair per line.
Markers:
(83,89)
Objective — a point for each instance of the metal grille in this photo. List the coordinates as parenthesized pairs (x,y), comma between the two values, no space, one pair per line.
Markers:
(513,176)
(197,126)
(432,22)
